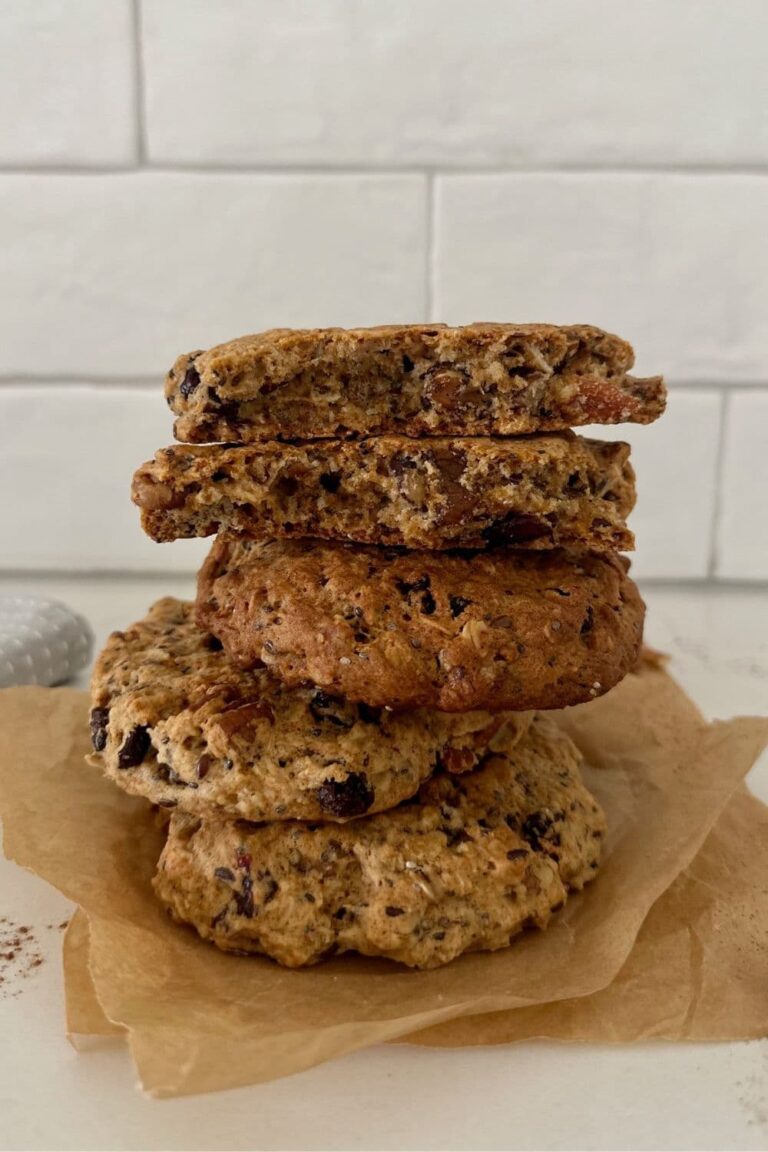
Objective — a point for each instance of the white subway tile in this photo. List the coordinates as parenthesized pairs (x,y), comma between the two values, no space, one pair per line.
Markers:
(67,92)
(504,82)
(742,539)
(67,455)
(676,264)
(675,461)
(117,274)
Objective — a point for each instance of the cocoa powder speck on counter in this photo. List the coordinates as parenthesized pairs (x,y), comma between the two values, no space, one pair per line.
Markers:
(20,956)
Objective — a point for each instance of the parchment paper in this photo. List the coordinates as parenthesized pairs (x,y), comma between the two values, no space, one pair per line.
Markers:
(85,1015)
(198,1020)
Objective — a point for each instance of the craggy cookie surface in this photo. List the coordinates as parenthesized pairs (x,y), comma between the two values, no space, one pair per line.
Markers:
(416,379)
(531,492)
(467,865)
(499,629)
(175,722)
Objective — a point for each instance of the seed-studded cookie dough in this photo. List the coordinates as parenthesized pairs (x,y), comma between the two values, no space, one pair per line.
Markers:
(530,492)
(499,629)
(467,865)
(415,379)
(175,722)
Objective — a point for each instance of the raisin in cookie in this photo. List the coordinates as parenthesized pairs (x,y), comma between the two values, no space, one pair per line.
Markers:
(499,629)
(174,722)
(531,492)
(466,865)
(415,379)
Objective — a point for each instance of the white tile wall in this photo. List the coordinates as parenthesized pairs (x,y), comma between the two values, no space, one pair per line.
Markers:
(122,273)
(67,455)
(742,539)
(677,264)
(175,172)
(67,93)
(501,82)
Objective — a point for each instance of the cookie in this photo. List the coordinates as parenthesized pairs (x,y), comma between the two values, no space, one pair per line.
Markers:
(500,629)
(467,865)
(175,722)
(414,379)
(532,492)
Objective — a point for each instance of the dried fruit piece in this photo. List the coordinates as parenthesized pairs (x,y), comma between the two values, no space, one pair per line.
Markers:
(190,382)
(137,744)
(99,721)
(345,798)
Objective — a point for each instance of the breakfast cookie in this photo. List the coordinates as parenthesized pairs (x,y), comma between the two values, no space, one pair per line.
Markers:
(530,492)
(466,865)
(499,629)
(172,720)
(415,379)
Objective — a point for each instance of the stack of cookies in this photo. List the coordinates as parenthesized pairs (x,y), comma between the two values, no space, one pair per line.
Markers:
(415,557)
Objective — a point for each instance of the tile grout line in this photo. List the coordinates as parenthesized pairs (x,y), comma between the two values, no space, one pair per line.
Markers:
(728,384)
(139,85)
(717,503)
(86,380)
(342,168)
(429,247)
(477,169)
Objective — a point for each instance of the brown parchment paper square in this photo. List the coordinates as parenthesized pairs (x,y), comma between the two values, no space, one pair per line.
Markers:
(698,969)
(85,1015)
(198,1020)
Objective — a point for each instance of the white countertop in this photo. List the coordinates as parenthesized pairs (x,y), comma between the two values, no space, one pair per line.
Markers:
(536,1095)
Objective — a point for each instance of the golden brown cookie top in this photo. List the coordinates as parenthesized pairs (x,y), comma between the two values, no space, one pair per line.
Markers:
(499,629)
